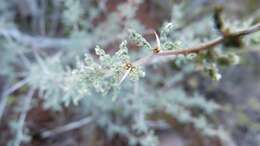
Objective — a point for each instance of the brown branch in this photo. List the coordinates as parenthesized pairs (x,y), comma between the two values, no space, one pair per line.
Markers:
(200,47)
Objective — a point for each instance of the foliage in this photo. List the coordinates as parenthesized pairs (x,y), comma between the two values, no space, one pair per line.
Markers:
(119,93)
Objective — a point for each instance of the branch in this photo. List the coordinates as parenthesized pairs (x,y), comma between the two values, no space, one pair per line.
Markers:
(26,106)
(3,104)
(8,92)
(200,47)
(65,128)
(44,42)
(34,41)
(15,87)
(248,31)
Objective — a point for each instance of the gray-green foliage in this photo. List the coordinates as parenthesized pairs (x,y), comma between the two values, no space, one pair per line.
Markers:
(120,96)
(103,75)
(96,82)
(47,76)
(73,13)
(139,40)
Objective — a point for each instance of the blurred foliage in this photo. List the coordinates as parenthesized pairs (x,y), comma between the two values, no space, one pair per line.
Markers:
(52,46)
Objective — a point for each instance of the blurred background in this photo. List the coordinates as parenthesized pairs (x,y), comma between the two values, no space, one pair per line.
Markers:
(55,26)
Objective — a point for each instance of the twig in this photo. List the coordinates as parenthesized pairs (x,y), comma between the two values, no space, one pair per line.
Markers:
(44,42)
(65,128)
(35,41)
(3,103)
(25,109)
(42,20)
(16,87)
(250,30)
(200,47)
(195,49)
(55,17)
(2,106)
(8,92)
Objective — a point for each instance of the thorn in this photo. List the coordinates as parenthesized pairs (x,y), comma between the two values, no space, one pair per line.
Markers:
(124,76)
(157,49)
